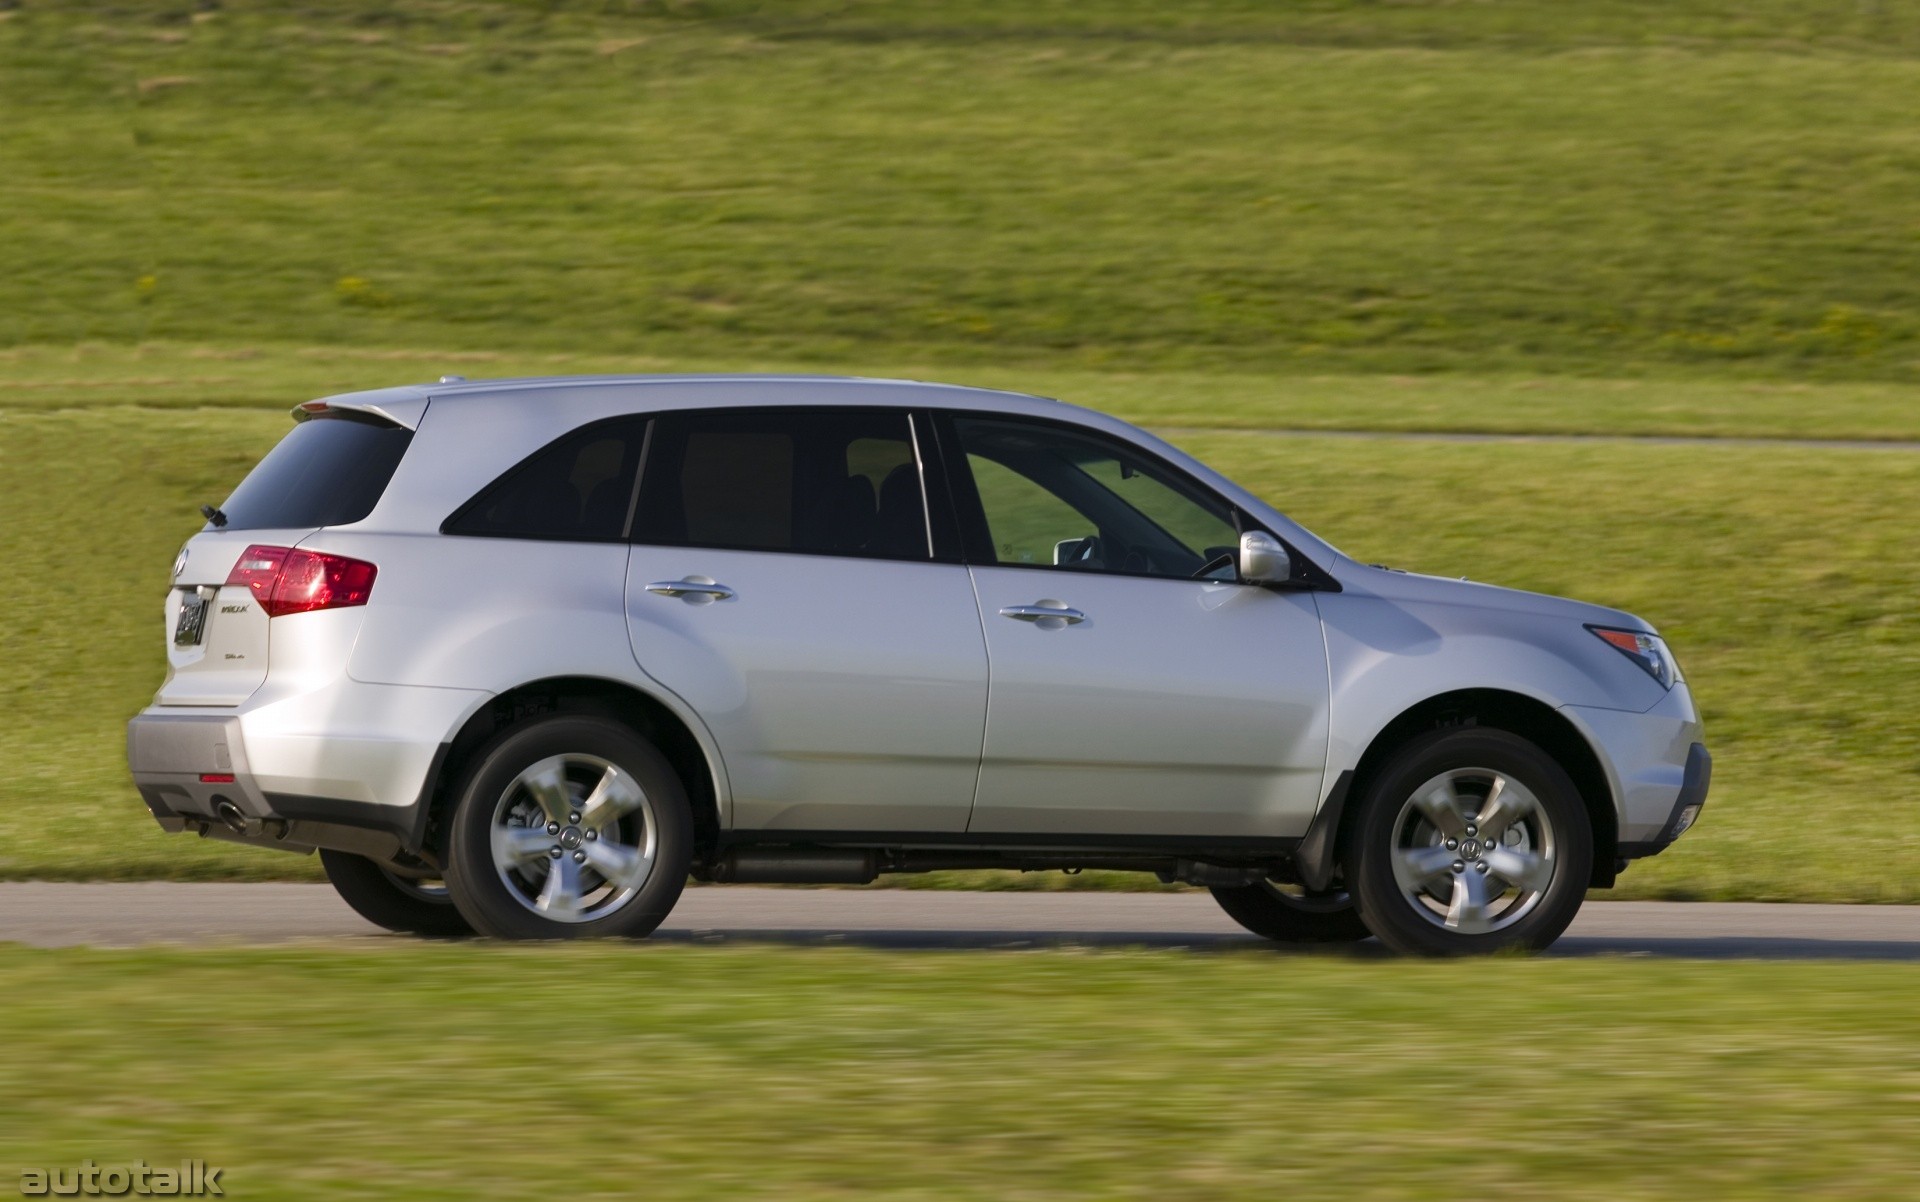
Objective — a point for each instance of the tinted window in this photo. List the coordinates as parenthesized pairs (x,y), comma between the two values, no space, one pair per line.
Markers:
(577,489)
(831,482)
(328,471)
(1052,497)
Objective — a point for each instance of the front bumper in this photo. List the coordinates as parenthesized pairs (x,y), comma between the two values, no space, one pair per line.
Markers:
(1695,779)
(1657,766)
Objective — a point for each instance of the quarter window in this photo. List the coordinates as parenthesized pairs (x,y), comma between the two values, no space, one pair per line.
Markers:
(578,489)
(1051,497)
(817,481)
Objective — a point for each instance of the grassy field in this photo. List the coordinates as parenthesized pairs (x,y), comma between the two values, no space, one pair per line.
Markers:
(1618,217)
(1784,576)
(1622,217)
(417,1071)
(1610,189)
(273,377)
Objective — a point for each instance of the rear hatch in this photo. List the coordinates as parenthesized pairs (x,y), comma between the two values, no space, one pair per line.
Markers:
(329,470)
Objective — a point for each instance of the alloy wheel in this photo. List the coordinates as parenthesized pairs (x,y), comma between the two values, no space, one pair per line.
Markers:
(1474,851)
(574,838)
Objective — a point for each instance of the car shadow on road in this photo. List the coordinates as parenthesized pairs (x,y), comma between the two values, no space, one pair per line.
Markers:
(1571,946)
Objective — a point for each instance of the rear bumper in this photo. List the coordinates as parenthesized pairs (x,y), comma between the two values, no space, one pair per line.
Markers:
(178,761)
(350,766)
(168,754)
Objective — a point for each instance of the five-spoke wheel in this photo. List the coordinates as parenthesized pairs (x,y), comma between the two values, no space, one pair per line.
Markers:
(1473,851)
(566,827)
(574,837)
(1469,841)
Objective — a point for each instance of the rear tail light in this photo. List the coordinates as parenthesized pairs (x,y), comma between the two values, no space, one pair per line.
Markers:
(286,580)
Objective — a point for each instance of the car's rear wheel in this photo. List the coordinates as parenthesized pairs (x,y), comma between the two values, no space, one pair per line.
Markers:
(1470,841)
(384,897)
(569,828)
(1291,914)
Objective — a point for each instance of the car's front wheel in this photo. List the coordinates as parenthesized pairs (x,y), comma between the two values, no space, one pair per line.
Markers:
(567,828)
(1470,841)
(408,904)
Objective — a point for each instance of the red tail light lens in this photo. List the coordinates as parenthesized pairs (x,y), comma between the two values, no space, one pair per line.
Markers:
(309,580)
(289,581)
(257,568)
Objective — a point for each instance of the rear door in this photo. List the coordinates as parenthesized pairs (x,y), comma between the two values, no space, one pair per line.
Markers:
(1137,688)
(329,470)
(783,583)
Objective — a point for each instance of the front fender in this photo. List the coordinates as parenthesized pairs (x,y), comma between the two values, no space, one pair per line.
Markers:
(1386,656)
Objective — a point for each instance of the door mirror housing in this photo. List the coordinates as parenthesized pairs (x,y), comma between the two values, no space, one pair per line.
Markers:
(1263,560)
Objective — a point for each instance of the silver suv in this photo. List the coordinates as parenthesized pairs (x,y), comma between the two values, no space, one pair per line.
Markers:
(519,656)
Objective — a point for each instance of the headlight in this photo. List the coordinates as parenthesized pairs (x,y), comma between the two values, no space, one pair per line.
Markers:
(1647,650)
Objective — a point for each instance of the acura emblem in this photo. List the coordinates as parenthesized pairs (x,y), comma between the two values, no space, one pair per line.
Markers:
(180,564)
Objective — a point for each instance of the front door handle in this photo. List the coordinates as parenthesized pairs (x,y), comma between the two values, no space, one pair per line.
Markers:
(1046,611)
(691,587)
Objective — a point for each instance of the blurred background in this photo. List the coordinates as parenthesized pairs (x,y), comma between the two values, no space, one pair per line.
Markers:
(1618,299)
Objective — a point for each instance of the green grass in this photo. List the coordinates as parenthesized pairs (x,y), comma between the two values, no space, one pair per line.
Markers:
(1783,575)
(1612,188)
(273,377)
(692,1072)
(1621,217)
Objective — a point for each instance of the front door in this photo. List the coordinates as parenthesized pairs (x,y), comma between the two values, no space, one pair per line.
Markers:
(1136,690)
(783,584)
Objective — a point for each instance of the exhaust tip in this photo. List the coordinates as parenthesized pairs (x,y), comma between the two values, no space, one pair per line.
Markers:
(230,814)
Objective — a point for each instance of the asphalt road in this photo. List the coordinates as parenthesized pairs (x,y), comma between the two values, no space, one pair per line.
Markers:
(119,915)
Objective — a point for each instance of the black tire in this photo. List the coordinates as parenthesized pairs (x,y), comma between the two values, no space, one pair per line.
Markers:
(388,900)
(501,901)
(1273,912)
(1556,841)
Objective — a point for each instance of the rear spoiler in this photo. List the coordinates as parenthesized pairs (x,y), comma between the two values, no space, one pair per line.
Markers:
(386,407)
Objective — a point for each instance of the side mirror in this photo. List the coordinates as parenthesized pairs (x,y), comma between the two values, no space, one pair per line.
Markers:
(1263,560)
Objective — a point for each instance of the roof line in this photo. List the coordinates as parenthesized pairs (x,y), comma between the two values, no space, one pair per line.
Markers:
(517,383)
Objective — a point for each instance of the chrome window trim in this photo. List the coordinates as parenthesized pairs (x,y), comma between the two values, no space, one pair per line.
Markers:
(920,472)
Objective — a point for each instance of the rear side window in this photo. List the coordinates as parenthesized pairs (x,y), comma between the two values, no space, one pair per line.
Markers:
(817,481)
(577,489)
(328,471)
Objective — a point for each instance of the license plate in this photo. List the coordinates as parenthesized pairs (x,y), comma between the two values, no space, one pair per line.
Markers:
(192,623)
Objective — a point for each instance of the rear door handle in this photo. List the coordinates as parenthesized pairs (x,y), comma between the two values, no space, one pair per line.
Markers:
(1045,611)
(691,587)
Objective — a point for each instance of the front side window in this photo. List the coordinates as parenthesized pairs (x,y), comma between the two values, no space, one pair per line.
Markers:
(815,481)
(576,489)
(1053,497)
